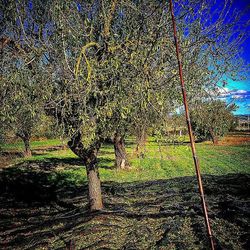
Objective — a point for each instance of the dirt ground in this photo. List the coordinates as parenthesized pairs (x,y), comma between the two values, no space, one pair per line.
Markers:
(236,138)
(37,213)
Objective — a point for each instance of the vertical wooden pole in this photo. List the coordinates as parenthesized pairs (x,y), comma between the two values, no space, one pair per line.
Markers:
(191,137)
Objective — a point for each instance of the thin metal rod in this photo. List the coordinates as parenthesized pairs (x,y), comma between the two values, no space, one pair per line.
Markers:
(191,137)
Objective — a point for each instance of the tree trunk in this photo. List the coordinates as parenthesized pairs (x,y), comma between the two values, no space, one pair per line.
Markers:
(89,157)
(25,136)
(95,193)
(121,159)
(215,140)
(27,151)
(140,141)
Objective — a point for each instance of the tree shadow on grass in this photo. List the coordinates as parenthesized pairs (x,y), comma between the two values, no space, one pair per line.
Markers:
(179,143)
(14,153)
(37,211)
(33,183)
(106,152)
(106,163)
(53,162)
(11,154)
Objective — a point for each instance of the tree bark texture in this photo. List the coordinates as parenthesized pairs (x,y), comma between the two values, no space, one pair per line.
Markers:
(27,152)
(25,136)
(141,139)
(94,184)
(121,159)
(89,157)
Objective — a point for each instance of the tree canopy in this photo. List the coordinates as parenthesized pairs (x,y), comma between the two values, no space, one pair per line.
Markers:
(212,119)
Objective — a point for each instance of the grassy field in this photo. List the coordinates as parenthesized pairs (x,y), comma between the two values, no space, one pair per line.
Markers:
(34,144)
(154,205)
(160,161)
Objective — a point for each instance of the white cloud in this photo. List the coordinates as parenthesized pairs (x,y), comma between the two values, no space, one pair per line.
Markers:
(235,93)
(237,96)
(224,99)
(241,91)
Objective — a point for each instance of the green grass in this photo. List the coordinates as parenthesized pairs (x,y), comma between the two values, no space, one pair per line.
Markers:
(34,144)
(160,162)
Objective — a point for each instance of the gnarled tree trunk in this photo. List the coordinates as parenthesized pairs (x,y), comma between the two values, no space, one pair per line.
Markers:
(121,159)
(25,136)
(89,157)
(27,151)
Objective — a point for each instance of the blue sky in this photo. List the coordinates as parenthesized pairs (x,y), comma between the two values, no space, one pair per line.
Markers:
(239,91)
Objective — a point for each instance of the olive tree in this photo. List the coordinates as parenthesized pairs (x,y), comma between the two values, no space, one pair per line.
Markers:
(20,112)
(212,119)
(22,91)
(102,69)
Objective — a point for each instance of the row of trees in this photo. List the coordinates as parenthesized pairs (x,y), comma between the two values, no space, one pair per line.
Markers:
(107,69)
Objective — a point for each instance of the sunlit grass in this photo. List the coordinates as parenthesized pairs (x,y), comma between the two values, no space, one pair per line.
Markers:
(159,161)
(34,144)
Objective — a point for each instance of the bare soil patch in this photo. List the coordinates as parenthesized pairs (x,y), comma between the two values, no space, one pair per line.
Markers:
(236,138)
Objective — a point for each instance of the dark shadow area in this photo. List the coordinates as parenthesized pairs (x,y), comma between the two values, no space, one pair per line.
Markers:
(38,151)
(106,163)
(32,183)
(42,209)
(52,163)
(50,148)
(6,157)
(178,143)
(45,150)
(11,154)
(105,152)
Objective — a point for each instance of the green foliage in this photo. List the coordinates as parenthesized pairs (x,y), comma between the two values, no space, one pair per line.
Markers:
(111,67)
(23,92)
(212,119)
